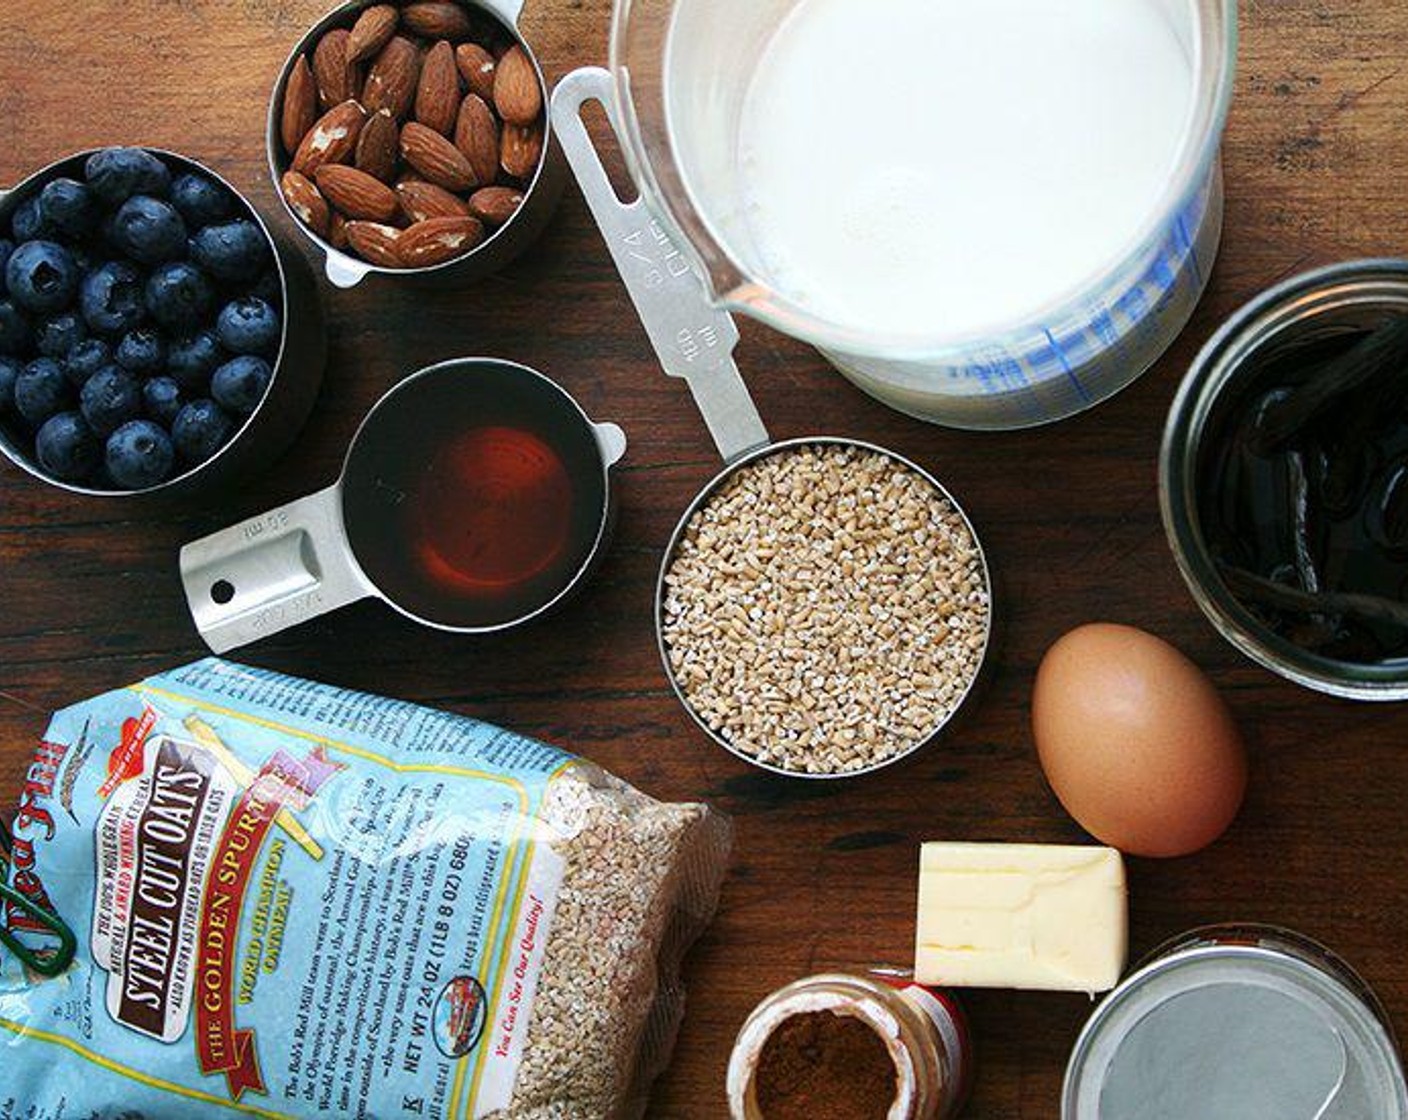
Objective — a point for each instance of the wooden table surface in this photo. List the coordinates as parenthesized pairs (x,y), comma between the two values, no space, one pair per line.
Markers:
(823,876)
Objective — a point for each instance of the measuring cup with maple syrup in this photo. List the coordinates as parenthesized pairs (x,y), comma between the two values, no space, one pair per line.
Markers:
(475,496)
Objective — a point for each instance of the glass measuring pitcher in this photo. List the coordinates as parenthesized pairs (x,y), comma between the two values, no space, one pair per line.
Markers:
(684,71)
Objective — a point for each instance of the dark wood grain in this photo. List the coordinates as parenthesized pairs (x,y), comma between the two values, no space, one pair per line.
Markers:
(1316,172)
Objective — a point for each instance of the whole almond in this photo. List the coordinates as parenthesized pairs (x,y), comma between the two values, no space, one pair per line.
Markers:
(517,94)
(438,95)
(420,201)
(477,137)
(337,77)
(300,110)
(520,149)
(436,158)
(332,139)
(337,232)
(438,240)
(376,243)
(356,193)
(379,147)
(495,205)
(391,84)
(372,31)
(438,20)
(306,201)
(477,67)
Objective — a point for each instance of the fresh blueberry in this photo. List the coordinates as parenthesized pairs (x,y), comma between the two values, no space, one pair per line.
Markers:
(142,352)
(179,296)
(86,359)
(239,384)
(192,360)
(41,390)
(112,298)
(6,248)
(28,222)
(201,201)
(69,207)
(59,334)
(248,326)
(200,430)
(140,455)
(116,174)
(161,397)
(233,252)
(14,329)
(110,398)
(67,448)
(42,277)
(149,231)
(269,289)
(10,370)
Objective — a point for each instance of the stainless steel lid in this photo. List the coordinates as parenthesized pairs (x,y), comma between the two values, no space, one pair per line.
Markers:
(1234,1032)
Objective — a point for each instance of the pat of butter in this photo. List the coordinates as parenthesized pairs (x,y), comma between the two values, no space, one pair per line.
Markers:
(1026,916)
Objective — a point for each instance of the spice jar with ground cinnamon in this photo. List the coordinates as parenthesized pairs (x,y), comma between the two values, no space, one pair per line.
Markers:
(851,1047)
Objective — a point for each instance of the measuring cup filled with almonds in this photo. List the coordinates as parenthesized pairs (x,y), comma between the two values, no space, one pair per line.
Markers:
(410,139)
(824,606)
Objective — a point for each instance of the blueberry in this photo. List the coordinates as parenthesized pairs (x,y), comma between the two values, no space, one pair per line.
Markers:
(248,326)
(179,296)
(142,352)
(140,455)
(161,397)
(10,370)
(110,398)
(269,289)
(201,201)
(233,252)
(149,230)
(67,448)
(28,222)
(86,359)
(6,248)
(116,174)
(200,430)
(192,361)
(239,384)
(41,390)
(112,298)
(42,277)
(69,207)
(59,334)
(14,329)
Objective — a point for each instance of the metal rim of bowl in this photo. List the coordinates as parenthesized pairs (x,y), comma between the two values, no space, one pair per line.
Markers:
(279,163)
(708,492)
(1370,283)
(26,188)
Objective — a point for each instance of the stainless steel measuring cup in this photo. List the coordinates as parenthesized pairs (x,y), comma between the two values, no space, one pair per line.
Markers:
(388,529)
(694,341)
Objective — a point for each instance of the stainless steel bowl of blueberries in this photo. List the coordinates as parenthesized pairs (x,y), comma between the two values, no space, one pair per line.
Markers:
(153,333)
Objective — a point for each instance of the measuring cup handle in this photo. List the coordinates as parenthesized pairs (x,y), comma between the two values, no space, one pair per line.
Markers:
(271,572)
(506,10)
(693,339)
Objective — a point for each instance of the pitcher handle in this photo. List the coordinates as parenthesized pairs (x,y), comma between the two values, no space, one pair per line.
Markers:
(692,339)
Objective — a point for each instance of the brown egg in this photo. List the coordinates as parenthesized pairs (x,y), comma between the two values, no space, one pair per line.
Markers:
(1136,742)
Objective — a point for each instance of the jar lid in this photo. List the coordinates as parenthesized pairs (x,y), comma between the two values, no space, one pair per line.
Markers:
(1237,1032)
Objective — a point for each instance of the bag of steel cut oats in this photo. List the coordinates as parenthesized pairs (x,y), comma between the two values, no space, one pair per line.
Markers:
(293,900)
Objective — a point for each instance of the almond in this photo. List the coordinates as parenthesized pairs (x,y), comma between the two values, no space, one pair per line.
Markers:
(331,139)
(438,95)
(371,32)
(495,205)
(438,20)
(337,77)
(300,111)
(391,85)
(520,149)
(438,240)
(356,193)
(337,232)
(420,201)
(377,243)
(517,94)
(305,200)
(477,137)
(379,147)
(436,158)
(477,67)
